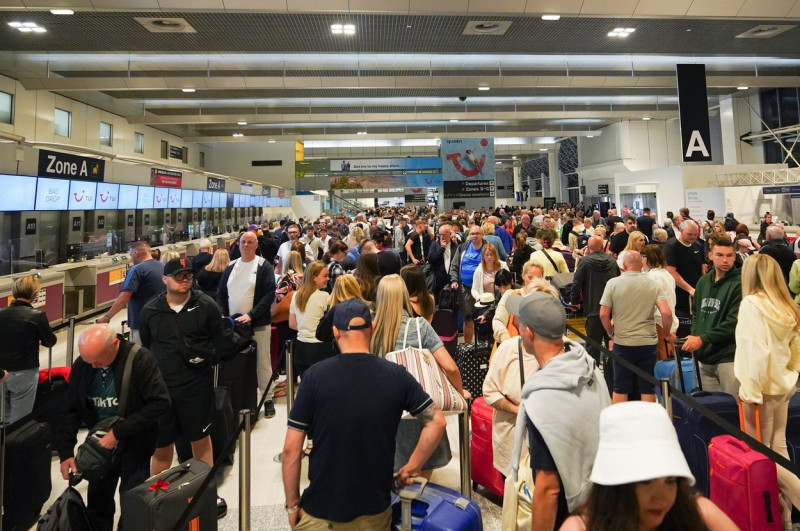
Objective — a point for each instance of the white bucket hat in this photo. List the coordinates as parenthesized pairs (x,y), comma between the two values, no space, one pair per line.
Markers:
(637,443)
(486,299)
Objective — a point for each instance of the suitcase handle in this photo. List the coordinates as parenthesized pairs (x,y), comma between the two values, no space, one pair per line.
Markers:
(741,419)
(407,495)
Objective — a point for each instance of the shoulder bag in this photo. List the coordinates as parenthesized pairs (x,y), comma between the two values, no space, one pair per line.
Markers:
(423,367)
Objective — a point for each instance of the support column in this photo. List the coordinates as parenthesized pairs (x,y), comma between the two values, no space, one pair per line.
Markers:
(555,174)
(517,180)
(730,138)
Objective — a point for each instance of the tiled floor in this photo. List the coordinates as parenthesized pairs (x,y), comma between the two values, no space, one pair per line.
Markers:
(266,484)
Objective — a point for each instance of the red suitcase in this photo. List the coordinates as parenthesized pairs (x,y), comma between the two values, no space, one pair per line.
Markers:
(481,455)
(744,484)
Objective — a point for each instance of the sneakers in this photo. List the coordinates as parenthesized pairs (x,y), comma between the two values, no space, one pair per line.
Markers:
(269,409)
(222,508)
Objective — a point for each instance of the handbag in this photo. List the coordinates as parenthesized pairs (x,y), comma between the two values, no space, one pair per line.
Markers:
(92,460)
(518,494)
(280,311)
(421,364)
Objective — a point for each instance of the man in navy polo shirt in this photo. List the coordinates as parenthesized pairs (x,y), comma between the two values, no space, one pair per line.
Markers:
(350,405)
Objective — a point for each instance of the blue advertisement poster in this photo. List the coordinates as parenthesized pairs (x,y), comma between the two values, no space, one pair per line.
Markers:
(408,163)
(468,158)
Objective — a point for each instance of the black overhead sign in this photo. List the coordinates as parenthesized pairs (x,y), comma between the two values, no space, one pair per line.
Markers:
(175,152)
(461,189)
(693,107)
(215,184)
(602,189)
(65,166)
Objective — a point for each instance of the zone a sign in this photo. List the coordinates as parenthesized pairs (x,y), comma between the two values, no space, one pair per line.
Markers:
(693,110)
(65,166)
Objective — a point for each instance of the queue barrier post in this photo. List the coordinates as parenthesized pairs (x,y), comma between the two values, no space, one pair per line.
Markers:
(71,342)
(290,377)
(244,471)
(666,398)
(464,453)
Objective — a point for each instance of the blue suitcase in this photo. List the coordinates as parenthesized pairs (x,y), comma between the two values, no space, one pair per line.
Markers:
(695,431)
(432,507)
(668,369)
(793,429)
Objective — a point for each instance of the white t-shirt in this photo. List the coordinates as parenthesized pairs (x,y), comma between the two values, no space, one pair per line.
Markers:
(308,320)
(242,286)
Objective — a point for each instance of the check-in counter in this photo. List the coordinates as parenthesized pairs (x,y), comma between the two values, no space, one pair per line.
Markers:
(93,284)
(179,248)
(225,241)
(51,293)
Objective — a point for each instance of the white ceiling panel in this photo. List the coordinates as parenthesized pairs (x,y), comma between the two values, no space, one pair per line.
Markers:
(794,12)
(384,6)
(766,8)
(317,5)
(496,6)
(111,5)
(263,82)
(50,3)
(12,4)
(715,8)
(606,8)
(198,4)
(662,8)
(439,6)
(562,7)
(259,5)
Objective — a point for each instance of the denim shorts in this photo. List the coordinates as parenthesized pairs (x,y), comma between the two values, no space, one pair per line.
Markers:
(644,357)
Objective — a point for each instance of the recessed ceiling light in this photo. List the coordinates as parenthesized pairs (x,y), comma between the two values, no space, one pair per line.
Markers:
(238,134)
(346,29)
(188,90)
(349,29)
(498,162)
(589,136)
(621,32)
(39,30)
(271,141)
(361,132)
(454,120)
(241,123)
(30,24)
(337,28)
(514,157)
(645,118)
(551,17)
(25,30)
(742,88)
(15,24)
(484,88)
(542,149)
(62,11)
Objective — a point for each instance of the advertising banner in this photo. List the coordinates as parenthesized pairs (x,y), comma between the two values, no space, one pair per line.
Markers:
(462,189)
(409,163)
(167,178)
(82,195)
(352,182)
(64,166)
(468,158)
(107,194)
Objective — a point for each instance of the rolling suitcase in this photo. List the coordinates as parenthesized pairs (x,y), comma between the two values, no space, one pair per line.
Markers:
(50,395)
(156,504)
(481,454)
(793,429)
(695,431)
(472,360)
(239,375)
(27,482)
(445,324)
(669,369)
(432,507)
(744,484)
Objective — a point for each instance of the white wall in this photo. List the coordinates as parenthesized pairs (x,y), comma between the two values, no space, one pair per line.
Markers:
(235,158)
(308,205)
(667,183)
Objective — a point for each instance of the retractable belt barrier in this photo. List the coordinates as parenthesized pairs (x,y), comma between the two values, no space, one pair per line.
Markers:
(669,389)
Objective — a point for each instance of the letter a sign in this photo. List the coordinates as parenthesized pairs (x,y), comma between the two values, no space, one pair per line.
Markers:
(693,105)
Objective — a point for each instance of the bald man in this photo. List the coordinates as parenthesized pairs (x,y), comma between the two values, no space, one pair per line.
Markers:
(591,276)
(94,390)
(631,299)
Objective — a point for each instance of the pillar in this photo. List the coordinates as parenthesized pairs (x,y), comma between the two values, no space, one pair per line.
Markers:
(517,180)
(555,174)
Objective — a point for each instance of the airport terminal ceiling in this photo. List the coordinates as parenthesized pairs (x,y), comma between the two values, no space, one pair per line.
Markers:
(278,70)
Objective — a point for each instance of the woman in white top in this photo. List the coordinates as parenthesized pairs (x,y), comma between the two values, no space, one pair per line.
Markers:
(636,242)
(307,308)
(547,257)
(530,271)
(766,364)
(656,263)
(483,278)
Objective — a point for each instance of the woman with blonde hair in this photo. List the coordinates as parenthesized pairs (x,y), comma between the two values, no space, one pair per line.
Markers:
(169,255)
(344,288)
(767,362)
(483,278)
(395,329)
(305,311)
(636,242)
(208,277)
(530,271)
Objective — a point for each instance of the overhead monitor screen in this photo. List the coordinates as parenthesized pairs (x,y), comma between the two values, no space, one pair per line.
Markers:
(19,193)
(174,197)
(197,199)
(107,197)
(82,195)
(128,193)
(52,194)
(160,198)
(186,199)
(218,200)
(145,197)
(207,199)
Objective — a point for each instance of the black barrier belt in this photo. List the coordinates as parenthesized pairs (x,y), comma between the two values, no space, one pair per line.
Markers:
(65,323)
(186,514)
(726,426)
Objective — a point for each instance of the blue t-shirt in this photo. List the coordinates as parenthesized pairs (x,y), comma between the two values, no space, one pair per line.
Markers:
(144,280)
(350,405)
(469,263)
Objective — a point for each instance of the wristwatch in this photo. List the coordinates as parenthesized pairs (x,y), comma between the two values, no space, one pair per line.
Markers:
(292,510)
(107,317)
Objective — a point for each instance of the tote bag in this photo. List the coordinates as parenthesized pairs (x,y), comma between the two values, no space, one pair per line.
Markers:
(423,367)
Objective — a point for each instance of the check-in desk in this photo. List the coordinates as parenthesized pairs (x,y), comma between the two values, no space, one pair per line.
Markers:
(93,284)
(179,248)
(51,293)
(225,241)
(222,241)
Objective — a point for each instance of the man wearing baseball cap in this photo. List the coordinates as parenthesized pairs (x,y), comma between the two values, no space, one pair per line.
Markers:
(560,407)
(350,405)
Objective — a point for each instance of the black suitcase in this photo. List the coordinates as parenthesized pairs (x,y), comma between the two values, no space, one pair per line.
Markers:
(239,374)
(156,504)
(27,463)
(50,396)
(472,360)
(68,513)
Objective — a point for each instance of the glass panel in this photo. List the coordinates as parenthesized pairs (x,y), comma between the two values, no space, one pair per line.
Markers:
(138,143)
(105,134)
(6,108)
(62,122)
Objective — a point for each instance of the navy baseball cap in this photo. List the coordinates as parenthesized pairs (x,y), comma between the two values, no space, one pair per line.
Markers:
(346,311)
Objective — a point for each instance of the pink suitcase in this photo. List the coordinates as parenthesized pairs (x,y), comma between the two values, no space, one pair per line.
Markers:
(744,484)
(481,455)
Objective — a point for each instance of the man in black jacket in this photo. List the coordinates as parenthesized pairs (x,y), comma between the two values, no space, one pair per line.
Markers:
(591,276)
(184,331)
(247,288)
(439,256)
(778,248)
(94,390)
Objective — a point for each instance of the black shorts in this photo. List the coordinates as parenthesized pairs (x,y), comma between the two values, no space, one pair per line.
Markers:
(190,413)
(644,357)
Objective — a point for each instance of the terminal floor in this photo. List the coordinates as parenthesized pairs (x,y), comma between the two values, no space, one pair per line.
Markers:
(266,485)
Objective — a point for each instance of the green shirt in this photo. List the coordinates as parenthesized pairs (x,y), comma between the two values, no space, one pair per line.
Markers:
(102,394)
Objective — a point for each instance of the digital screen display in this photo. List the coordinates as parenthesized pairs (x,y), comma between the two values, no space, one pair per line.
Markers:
(160,198)
(219,200)
(107,197)
(207,199)
(197,199)
(128,194)
(174,197)
(82,195)
(186,199)
(19,193)
(145,197)
(52,194)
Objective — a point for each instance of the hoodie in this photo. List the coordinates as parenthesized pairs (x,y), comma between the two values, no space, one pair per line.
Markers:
(591,276)
(714,315)
(563,400)
(765,362)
